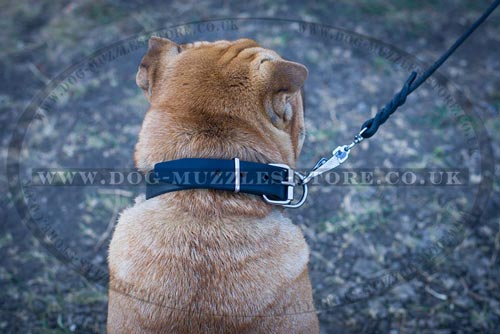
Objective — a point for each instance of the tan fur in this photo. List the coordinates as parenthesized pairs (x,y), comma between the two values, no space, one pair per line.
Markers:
(204,261)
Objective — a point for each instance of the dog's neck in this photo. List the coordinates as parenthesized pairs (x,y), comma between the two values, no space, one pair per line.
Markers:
(202,137)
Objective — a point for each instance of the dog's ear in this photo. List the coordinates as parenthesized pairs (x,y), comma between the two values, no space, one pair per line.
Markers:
(286,76)
(160,50)
(285,79)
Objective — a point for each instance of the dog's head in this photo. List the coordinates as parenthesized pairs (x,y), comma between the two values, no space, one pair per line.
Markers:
(221,100)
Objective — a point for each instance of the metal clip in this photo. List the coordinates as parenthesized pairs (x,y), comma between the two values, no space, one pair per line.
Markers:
(357,139)
(339,155)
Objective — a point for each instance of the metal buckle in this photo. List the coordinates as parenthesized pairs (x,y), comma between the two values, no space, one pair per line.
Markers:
(290,182)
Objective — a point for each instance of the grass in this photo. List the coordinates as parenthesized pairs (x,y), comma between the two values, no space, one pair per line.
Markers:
(46,297)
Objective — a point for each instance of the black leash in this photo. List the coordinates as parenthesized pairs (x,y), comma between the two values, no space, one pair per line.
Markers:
(370,127)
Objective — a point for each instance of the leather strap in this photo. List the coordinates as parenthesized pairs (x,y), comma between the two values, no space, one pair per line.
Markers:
(195,173)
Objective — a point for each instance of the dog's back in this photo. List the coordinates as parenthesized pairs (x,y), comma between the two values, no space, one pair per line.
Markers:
(173,273)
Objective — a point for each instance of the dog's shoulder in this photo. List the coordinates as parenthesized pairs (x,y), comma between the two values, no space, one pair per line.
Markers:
(153,227)
(135,228)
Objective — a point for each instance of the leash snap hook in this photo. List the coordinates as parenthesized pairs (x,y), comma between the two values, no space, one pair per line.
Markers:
(339,155)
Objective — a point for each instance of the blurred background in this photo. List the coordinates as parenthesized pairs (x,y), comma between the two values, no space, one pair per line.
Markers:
(384,259)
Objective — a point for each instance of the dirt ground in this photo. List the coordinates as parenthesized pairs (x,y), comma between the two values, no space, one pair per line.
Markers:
(384,258)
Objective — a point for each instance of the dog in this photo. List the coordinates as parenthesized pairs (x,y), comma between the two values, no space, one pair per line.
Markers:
(212,261)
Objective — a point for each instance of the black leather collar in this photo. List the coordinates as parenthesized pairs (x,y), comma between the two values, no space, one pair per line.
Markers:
(275,182)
